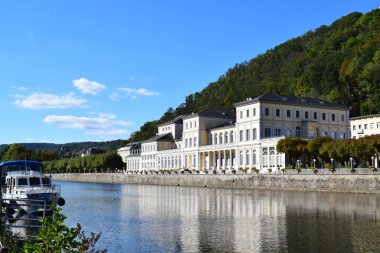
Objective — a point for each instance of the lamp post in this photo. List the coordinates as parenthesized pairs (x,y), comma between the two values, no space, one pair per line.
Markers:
(298,164)
(351,163)
(332,165)
(314,163)
(372,160)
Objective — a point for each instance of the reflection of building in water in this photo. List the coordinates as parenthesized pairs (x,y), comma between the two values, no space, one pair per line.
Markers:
(185,219)
(209,220)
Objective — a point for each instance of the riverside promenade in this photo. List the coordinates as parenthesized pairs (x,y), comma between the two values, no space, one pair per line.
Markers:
(321,182)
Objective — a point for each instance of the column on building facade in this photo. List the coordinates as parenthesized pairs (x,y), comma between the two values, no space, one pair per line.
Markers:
(230,160)
(213,160)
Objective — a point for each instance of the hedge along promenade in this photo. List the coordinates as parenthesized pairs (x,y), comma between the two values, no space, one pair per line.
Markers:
(327,182)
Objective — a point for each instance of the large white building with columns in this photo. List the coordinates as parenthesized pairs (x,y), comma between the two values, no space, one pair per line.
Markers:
(246,137)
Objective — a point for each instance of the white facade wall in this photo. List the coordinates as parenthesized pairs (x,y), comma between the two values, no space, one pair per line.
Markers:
(364,126)
(250,142)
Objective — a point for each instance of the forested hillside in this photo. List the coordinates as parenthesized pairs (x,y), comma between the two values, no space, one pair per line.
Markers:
(69,149)
(339,63)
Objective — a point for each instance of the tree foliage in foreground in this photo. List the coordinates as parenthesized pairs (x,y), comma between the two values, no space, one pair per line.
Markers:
(55,237)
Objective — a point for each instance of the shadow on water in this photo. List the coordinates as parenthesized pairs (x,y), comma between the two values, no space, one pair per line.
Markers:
(143,218)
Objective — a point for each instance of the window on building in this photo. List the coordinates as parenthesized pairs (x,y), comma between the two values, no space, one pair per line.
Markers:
(241,158)
(190,142)
(306,115)
(254,134)
(323,116)
(359,126)
(267,132)
(277,112)
(266,111)
(191,124)
(195,141)
(254,157)
(254,111)
(315,115)
(365,126)
(288,113)
(342,117)
(226,137)
(220,138)
(216,139)
(378,124)
(371,125)
(333,116)
(232,136)
(277,132)
(185,143)
(241,135)
(298,131)
(247,134)
(186,126)
(241,114)
(297,114)
(353,128)
(247,158)
(247,113)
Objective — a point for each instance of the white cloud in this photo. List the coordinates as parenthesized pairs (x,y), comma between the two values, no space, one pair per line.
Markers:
(87,86)
(115,96)
(21,88)
(134,93)
(49,101)
(103,124)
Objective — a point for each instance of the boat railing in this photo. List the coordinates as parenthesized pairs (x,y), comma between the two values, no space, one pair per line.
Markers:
(11,222)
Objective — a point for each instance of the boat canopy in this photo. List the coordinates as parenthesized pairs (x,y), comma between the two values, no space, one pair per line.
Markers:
(20,165)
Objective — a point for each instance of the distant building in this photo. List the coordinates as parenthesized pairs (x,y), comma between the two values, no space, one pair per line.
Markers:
(365,125)
(224,140)
(93,151)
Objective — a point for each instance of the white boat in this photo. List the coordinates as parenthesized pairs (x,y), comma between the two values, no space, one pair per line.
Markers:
(27,189)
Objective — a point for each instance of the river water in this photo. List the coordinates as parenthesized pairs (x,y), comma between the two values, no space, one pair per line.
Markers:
(145,218)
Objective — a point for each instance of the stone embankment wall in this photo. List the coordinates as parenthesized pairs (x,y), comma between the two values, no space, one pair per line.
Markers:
(331,183)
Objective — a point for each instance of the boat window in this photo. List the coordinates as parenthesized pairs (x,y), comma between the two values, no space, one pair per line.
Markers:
(45,181)
(34,181)
(22,181)
(21,166)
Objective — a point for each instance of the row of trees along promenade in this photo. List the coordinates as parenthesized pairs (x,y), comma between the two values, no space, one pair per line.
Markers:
(328,153)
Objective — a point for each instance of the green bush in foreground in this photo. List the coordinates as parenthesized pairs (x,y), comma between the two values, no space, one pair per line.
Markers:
(55,237)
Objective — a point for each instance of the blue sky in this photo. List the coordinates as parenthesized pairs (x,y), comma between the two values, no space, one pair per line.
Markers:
(94,70)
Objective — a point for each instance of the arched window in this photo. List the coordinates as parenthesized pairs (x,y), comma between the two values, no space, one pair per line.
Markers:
(254,157)
(220,138)
(216,139)
(231,137)
(247,158)
(226,137)
(241,158)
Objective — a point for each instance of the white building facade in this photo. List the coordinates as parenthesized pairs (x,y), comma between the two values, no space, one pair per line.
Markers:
(224,140)
(365,126)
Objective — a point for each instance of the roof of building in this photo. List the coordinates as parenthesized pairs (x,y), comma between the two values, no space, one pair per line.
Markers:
(294,100)
(213,113)
(161,137)
(365,117)
(230,124)
(177,120)
(133,144)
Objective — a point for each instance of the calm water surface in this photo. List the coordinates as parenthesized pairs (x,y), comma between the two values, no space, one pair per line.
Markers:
(143,218)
